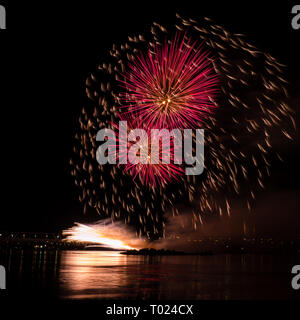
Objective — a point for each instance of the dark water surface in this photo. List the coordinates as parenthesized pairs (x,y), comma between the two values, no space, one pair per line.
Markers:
(110,275)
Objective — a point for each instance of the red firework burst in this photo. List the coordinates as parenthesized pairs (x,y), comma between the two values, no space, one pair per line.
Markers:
(171,87)
(163,148)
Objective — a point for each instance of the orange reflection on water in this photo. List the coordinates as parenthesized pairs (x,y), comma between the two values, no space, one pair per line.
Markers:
(90,274)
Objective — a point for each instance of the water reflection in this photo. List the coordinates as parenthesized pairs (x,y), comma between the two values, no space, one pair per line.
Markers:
(110,275)
(86,274)
(30,269)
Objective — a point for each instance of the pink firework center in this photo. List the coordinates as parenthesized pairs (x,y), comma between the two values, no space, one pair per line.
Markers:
(171,87)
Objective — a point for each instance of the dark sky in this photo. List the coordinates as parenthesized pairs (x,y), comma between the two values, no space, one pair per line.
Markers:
(46,53)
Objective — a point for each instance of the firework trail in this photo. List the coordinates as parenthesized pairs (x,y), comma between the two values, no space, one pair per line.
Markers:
(240,123)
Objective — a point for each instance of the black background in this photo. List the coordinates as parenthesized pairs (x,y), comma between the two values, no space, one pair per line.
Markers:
(46,53)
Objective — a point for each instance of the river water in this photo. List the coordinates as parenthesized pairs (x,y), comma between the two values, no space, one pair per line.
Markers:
(111,275)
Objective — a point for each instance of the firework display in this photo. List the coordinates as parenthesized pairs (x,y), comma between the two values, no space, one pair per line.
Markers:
(195,74)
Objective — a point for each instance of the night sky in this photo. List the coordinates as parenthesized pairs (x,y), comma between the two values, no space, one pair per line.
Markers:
(46,53)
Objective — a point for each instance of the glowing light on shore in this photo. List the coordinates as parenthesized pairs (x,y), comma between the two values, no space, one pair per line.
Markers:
(112,235)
